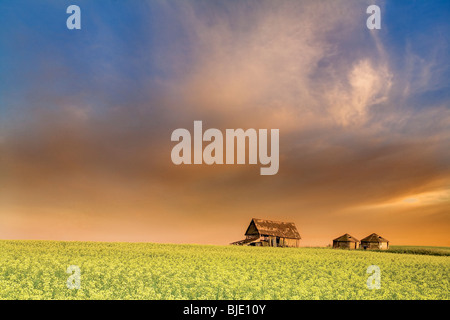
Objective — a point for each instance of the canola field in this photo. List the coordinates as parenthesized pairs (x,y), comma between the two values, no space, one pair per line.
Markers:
(37,270)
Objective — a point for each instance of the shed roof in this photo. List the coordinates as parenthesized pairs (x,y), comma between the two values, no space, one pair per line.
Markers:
(346,238)
(275,228)
(374,238)
(245,241)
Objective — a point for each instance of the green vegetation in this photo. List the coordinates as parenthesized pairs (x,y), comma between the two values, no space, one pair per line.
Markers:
(432,251)
(37,270)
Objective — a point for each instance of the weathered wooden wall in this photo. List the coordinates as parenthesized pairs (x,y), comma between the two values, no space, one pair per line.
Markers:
(374,245)
(345,245)
(290,242)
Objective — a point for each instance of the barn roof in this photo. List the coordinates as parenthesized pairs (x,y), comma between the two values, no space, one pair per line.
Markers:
(245,241)
(276,228)
(346,238)
(374,238)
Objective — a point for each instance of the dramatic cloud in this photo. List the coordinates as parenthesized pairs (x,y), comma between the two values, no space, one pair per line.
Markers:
(364,124)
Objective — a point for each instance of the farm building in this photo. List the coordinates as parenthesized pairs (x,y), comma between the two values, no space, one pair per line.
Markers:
(374,241)
(269,233)
(346,242)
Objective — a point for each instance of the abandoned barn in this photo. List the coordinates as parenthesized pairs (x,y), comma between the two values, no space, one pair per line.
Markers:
(374,241)
(269,233)
(346,242)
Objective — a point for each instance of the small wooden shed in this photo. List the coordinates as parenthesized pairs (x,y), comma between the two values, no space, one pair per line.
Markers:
(268,233)
(374,242)
(346,241)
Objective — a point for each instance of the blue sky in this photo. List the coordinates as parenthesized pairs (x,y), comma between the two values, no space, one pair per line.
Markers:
(122,39)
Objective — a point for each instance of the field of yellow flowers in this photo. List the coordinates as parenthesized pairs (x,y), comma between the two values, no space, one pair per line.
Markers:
(38,270)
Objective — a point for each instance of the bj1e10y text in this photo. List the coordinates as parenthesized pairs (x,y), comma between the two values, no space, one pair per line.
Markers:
(234,310)
(245,309)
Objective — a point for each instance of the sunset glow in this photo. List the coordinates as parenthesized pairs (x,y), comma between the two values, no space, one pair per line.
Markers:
(86,118)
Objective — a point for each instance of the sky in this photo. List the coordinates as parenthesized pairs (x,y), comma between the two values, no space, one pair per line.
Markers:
(86,118)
